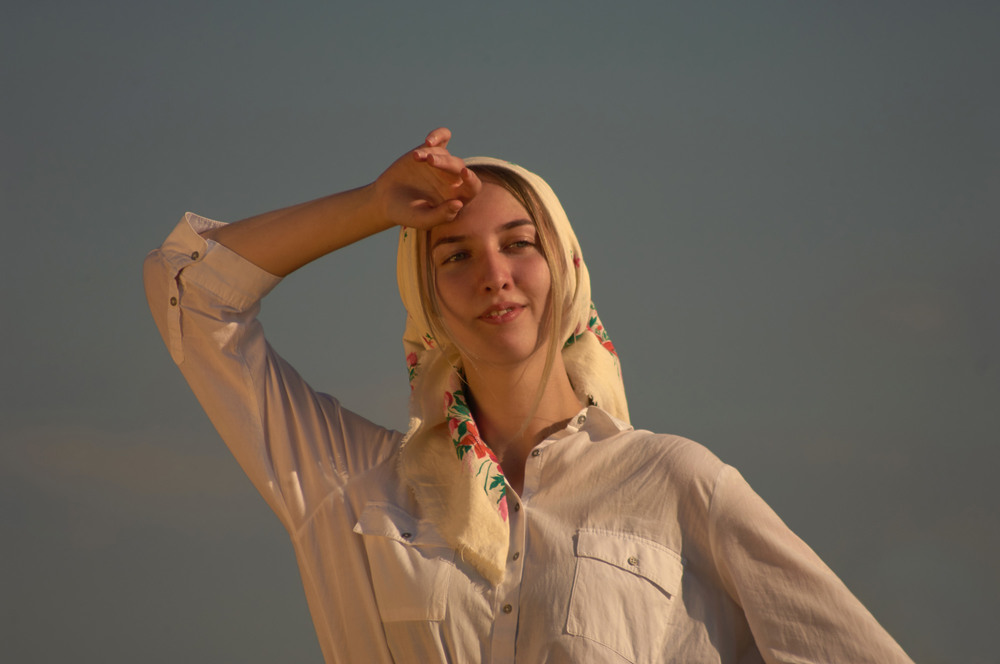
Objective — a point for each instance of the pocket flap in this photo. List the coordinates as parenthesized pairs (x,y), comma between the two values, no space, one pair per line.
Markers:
(650,560)
(388,520)
(411,568)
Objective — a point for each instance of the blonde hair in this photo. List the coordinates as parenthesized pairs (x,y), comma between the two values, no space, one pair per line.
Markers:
(554,314)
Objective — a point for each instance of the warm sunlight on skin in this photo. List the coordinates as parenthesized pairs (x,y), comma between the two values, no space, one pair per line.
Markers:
(492,279)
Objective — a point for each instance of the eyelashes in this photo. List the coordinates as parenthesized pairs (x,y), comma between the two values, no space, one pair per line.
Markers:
(460,255)
(455,257)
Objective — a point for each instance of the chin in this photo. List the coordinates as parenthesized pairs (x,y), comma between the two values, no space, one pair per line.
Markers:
(512,356)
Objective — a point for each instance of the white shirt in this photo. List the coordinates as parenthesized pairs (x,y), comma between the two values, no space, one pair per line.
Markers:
(625,546)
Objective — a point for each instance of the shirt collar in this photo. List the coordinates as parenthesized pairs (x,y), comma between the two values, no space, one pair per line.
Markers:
(597,422)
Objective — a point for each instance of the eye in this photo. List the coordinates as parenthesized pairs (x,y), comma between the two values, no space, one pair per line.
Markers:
(521,244)
(455,257)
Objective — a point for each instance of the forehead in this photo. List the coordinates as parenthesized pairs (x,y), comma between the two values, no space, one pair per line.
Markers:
(493,208)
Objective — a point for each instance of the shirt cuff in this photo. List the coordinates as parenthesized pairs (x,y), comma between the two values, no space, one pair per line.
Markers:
(234,280)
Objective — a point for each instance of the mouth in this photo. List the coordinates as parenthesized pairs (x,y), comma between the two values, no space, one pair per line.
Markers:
(502,313)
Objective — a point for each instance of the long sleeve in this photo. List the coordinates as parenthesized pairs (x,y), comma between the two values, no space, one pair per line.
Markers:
(295,445)
(797,608)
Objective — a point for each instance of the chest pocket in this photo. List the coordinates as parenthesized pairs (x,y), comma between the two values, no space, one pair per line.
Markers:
(624,593)
(411,564)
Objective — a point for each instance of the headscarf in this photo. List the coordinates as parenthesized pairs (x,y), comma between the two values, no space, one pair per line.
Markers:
(454,475)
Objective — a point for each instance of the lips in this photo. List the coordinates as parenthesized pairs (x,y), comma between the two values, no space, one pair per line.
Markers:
(502,313)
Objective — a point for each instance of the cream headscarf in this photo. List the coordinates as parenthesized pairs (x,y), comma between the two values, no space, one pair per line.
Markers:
(456,479)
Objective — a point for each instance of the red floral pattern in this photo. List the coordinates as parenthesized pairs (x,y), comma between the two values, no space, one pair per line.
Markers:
(465,436)
(412,362)
(595,327)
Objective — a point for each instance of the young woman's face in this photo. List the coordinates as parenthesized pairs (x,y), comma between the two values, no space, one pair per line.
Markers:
(492,279)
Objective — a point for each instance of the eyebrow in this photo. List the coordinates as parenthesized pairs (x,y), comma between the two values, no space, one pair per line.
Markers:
(458,238)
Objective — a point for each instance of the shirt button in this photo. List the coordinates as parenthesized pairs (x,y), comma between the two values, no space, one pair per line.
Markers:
(406,535)
(517,507)
(173,301)
(507,608)
(194,255)
(535,453)
(633,561)
(581,419)
(517,554)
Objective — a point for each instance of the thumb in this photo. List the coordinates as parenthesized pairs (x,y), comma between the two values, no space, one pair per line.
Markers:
(427,217)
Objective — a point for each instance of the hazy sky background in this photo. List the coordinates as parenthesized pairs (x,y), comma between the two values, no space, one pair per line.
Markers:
(789,209)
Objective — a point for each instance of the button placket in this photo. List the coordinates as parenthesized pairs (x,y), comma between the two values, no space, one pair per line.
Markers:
(507,594)
(517,528)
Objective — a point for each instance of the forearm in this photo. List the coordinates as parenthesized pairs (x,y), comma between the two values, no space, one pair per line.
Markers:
(284,240)
(424,187)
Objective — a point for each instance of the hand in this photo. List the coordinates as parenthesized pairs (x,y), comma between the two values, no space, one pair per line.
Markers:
(427,186)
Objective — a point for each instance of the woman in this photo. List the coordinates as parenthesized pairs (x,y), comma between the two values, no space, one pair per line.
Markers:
(521,518)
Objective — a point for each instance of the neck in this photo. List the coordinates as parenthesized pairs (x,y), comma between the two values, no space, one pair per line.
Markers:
(503,403)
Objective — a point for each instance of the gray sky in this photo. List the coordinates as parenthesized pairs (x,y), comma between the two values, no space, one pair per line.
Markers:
(789,211)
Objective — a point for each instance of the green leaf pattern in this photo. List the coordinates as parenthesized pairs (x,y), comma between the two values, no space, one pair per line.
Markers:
(465,436)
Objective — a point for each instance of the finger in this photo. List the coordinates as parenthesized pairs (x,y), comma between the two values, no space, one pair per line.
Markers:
(469,186)
(450,208)
(426,215)
(470,178)
(438,138)
(445,161)
(423,152)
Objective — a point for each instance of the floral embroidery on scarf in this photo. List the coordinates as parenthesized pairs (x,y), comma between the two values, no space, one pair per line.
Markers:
(428,341)
(595,327)
(412,362)
(470,448)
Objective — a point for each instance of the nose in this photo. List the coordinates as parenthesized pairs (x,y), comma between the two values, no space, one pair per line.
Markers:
(496,274)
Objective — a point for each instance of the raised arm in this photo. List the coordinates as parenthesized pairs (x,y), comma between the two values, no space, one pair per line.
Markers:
(424,187)
(204,285)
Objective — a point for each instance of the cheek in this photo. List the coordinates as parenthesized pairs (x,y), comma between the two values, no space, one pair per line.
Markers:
(449,292)
(539,277)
